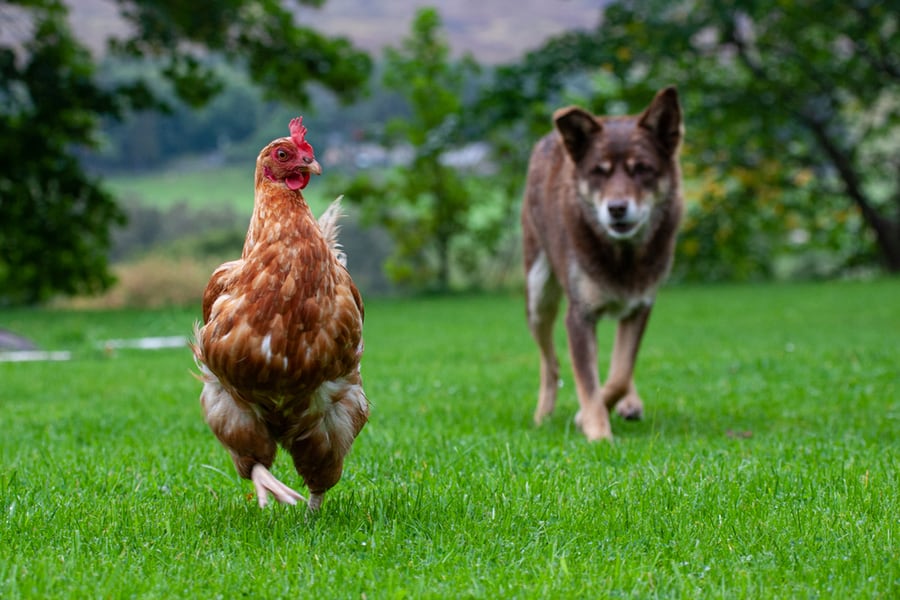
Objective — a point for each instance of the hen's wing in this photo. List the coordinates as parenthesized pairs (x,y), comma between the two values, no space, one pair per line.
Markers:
(218,282)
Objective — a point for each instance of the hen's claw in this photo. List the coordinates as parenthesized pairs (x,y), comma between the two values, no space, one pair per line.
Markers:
(266,483)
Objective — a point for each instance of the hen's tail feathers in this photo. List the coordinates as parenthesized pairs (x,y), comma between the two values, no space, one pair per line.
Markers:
(330,227)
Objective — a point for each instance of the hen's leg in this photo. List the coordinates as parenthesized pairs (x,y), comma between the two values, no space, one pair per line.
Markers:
(319,453)
(266,483)
(247,439)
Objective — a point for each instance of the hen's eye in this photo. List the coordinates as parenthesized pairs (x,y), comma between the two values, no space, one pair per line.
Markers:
(281,154)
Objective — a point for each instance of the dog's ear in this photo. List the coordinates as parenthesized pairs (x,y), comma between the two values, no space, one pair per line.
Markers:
(663,118)
(577,127)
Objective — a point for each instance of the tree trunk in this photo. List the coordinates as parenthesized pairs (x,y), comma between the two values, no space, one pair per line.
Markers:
(443,248)
(887,231)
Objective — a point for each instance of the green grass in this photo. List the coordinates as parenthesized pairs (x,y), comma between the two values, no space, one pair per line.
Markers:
(767,465)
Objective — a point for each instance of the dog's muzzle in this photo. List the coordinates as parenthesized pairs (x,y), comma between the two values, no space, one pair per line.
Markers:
(622,218)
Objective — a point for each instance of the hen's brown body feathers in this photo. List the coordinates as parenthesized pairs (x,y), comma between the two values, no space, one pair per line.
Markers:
(281,344)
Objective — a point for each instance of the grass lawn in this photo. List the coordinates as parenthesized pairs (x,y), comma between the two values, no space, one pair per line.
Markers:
(768,464)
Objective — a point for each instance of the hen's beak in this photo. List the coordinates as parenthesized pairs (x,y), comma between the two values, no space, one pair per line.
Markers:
(314,167)
(298,177)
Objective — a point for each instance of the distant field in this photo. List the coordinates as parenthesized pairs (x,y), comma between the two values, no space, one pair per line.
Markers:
(201,187)
(768,465)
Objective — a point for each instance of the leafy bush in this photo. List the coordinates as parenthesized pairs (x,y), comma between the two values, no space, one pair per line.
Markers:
(766,222)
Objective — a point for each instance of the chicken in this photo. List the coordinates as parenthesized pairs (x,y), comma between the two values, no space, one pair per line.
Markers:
(281,341)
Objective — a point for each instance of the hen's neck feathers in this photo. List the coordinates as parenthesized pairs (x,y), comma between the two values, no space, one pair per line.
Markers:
(281,216)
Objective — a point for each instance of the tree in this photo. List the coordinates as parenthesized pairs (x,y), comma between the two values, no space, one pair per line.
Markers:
(425,206)
(54,218)
(793,110)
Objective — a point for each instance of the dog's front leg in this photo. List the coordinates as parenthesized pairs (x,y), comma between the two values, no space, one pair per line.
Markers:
(619,390)
(593,416)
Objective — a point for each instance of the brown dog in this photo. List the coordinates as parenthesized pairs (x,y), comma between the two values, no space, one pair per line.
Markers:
(599,220)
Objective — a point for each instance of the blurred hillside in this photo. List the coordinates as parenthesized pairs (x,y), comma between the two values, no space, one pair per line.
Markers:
(494,32)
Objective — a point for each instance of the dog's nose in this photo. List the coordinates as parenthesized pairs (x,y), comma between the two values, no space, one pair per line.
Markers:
(617,208)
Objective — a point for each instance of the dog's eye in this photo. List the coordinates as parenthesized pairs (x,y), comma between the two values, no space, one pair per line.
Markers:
(603,169)
(641,169)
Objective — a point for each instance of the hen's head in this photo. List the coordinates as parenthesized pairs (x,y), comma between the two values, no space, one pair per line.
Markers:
(290,159)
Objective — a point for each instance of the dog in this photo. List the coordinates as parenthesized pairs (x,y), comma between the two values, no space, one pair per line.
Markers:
(600,217)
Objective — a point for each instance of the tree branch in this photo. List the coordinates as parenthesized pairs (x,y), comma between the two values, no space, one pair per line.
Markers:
(886,231)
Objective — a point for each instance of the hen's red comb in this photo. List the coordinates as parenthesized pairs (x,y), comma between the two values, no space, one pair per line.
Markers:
(298,135)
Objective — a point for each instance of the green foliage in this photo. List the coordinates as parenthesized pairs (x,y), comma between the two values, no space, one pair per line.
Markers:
(745,224)
(426,206)
(279,55)
(54,219)
(767,466)
(792,121)
(150,140)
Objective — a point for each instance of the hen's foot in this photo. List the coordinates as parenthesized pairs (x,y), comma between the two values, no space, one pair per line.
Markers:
(266,483)
(315,500)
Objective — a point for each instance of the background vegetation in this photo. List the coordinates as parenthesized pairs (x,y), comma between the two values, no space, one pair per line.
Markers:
(54,234)
(791,156)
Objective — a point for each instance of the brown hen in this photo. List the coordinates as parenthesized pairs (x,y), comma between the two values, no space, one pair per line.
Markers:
(281,340)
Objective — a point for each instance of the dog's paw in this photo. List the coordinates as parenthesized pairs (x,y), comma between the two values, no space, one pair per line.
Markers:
(546,403)
(594,427)
(630,408)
